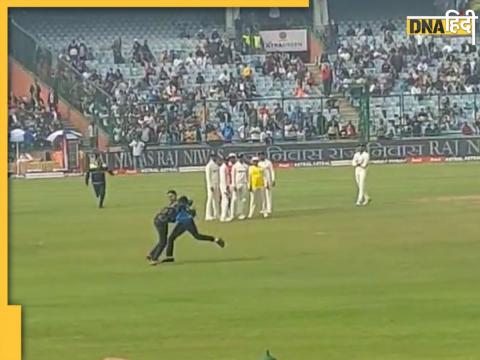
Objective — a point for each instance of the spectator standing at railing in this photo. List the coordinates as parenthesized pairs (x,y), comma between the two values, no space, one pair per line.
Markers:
(137,146)
(263,115)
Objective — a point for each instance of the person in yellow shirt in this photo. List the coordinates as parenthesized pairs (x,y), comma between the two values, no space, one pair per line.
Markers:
(247,72)
(256,185)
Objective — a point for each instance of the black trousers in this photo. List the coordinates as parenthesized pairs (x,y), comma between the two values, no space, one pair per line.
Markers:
(179,229)
(162,230)
(100,192)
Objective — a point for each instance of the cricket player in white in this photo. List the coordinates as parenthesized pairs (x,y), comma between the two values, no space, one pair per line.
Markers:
(225,193)
(212,177)
(239,188)
(360,162)
(269,175)
(256,185)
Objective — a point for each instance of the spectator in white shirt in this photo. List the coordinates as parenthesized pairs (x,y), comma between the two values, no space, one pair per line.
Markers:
(137,151)
(415,90)
(447,49)
(223,78)
(255,133)
(145,135)
(242,130)
(422,66)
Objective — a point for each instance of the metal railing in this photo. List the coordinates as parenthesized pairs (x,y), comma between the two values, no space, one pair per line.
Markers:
(407,115)
(272,118)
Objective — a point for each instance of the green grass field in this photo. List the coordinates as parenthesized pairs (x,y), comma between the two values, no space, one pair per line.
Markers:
(322,279)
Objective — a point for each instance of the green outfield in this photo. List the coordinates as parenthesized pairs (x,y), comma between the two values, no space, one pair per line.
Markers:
(322,279)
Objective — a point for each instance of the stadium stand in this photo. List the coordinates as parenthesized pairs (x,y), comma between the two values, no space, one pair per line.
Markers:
(171,79)
(34,117)
(418,86)
(192,66)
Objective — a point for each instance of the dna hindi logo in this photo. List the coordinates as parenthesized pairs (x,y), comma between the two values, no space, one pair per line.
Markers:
(452,24)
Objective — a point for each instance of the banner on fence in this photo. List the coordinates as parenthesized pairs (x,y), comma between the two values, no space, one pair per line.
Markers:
(298,154)
(285,40)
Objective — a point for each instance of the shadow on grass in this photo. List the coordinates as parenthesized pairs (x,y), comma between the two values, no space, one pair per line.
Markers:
(220,261)
(300,212)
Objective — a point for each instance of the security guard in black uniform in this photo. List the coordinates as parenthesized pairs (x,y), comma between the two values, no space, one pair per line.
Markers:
(97,172)
(160,221)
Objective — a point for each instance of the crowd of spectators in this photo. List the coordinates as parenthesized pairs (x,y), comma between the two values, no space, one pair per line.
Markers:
(429,123)
(383,61)
(165,105)
(35,117)
(263,123)
(176,100)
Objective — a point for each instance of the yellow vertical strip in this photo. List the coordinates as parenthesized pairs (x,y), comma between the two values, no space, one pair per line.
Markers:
(10,316)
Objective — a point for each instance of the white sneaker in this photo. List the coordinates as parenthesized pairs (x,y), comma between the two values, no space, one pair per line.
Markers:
(209,219)
(366,202)
(266,215)
(241,217)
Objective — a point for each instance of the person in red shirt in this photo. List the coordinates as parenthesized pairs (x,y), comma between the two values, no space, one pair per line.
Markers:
(299,92)
(350,130)
(326,75)
(467,129)
(264,114)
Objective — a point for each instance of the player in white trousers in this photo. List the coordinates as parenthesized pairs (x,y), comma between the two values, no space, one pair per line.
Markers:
(239,188)
(256,186)
(360,162)
(212,177)
(269,175)
(225,192)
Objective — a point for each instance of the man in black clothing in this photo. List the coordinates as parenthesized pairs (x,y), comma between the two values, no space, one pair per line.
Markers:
(184,218)
(160,221)
(97,172)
